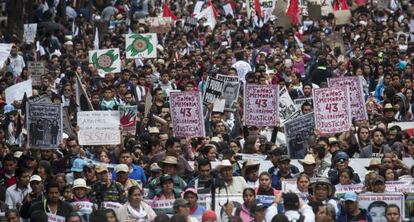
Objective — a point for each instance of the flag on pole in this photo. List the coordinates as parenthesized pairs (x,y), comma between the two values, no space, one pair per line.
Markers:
(258,9)
(96,40)
(166,12)
(210,2)
(82,100)
(293,11)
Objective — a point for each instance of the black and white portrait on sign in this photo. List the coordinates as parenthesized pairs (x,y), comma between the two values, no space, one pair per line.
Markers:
(44,125)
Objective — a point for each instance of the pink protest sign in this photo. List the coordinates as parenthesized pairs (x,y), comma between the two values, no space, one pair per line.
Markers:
(187,114)
(358,109)
(261,105)
(332,109)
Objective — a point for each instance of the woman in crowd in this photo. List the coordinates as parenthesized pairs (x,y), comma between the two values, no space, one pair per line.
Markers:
(135,209)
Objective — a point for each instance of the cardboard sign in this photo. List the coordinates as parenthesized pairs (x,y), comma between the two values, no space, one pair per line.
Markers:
(287,108)
(332,109)
(213,90)
(297,132)
(231,90)
(358,108)
(342,17)
(17,91)
(376,203)
(99,128)
(187,114)
(29,33)
(260,105)
(36,70)
(141,45)
(128,119)
(159,25)
(44,125)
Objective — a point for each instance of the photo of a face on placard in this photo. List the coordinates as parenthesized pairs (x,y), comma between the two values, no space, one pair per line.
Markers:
(375,204)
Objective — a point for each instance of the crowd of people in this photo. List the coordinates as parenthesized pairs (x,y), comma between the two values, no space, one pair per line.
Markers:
(154,176)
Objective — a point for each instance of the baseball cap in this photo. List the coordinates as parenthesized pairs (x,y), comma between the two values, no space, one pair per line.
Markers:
(341,156)
(121,168)
(351,196)
(78,165)
(35,178)
(180,202)
(257,207)
(101,168)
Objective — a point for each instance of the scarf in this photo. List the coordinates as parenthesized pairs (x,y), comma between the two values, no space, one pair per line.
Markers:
(140,216)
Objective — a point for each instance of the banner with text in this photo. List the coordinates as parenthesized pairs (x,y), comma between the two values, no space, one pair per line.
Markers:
(99,128)
(332,109)
(260,105)
(376,203)
(187,114)
(358,109)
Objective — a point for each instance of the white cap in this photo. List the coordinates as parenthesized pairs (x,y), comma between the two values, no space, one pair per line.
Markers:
(17,154)
(122,168)
(35,178)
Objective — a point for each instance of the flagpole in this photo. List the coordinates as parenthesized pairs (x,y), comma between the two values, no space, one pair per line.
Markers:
(84,92)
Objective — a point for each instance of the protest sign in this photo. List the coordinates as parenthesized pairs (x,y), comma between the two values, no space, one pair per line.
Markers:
(287,109)
(358,108)
(221,199)
(161,206)
(36,70)
(141,45)
(297,132)
(301,101)
(231,90)
(208,14)
(44,125)
(260,105)
(332,109)
(314,11)
(99,128)
(17,91)
(106,60)
(218,105)
(189,24)
(290,185)
(255,157)
(340,190)
(187,114)
(228,10)
(394,186)
(29,33)
(407,127)
(5,49)
(375,204)
(128,119)
(213,90)
(44,98)
(197,8)
(158,25)
(267,6)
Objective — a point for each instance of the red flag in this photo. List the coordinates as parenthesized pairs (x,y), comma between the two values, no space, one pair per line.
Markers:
(166,12)
(258,8)
(340,5)
(293,11)
(210,2)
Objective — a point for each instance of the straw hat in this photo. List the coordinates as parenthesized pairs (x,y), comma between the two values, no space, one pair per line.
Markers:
(249,164)
(80,183)
(373,163)
(223,164)
(308,160)
(168,160)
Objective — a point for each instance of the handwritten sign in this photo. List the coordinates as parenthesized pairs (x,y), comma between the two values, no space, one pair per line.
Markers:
(16,91)
(187,114)
(213,90)
(99,128)
(260,105)
(35,71)
(358,109)
(297,132)
(332,109)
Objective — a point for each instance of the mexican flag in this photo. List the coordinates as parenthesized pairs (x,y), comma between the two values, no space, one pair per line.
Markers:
(106,60)
(141,45)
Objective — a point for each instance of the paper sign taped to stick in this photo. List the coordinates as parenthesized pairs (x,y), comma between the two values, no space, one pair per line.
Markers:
(358,108)
(187,114)
(332,109)
(99,128)
(261,105)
